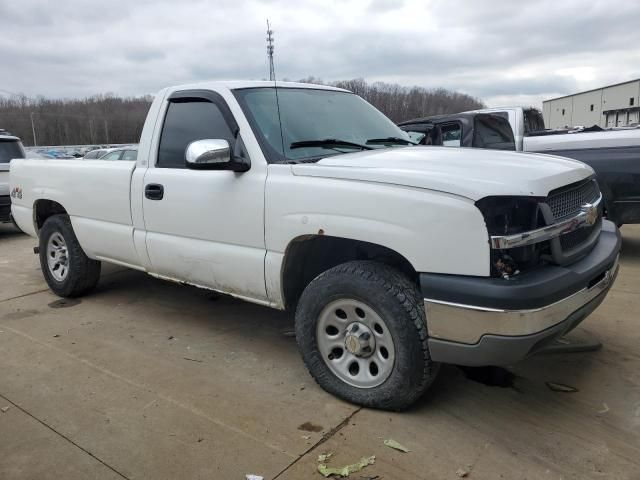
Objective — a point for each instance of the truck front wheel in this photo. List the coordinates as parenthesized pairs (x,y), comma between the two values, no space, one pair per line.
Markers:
(362,333)
(66,268)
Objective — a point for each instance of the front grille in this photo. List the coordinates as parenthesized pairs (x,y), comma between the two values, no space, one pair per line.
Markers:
(571,240)
(568,201)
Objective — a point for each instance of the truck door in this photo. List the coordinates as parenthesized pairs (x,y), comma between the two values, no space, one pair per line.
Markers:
(204,227)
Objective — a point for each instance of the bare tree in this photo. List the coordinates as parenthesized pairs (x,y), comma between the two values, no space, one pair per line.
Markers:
(96,120)
(401,103)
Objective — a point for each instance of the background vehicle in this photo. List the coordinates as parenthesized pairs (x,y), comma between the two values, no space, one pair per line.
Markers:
(10,147)
(613,154)
(481,130)
(394,257)
(97,153)
(125,153)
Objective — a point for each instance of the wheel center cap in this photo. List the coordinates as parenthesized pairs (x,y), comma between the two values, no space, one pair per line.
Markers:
(359,340)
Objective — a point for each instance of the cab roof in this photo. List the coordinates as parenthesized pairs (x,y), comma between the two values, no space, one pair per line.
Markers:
(239,84)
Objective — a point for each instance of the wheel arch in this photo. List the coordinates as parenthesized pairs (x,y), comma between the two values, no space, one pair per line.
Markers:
(308,256)
(45,208)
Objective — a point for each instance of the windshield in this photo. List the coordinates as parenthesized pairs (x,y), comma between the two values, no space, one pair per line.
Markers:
(10,149)
(313,115)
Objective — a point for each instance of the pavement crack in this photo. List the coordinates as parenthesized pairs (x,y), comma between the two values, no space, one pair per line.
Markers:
(62,435)
(162,396)
(24,295)
(49,290)
(324,438)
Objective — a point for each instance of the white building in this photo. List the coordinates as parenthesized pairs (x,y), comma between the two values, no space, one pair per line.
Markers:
(613,106)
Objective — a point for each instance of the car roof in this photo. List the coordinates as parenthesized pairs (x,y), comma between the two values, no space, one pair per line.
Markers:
(117,149)
(445,117)
(239,84)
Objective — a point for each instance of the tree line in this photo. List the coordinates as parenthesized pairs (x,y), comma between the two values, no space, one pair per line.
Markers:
(101,119)
(104,119)
(401,103)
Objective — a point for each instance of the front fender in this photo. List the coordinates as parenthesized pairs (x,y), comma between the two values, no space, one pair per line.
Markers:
(435,231)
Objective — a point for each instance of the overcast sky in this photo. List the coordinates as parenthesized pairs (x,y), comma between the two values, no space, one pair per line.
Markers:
(502,51)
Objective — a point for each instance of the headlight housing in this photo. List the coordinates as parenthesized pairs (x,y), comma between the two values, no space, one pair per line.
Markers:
(507,215)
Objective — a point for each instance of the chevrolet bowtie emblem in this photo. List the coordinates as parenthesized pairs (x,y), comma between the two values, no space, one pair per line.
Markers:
(591,213)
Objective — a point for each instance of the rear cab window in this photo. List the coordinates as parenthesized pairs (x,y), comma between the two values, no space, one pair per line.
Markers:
(533,121)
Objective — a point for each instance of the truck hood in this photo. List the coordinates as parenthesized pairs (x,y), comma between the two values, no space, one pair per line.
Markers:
(467,172)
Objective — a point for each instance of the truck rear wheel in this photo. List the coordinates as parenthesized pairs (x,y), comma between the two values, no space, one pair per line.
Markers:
(66,268)
(361,330)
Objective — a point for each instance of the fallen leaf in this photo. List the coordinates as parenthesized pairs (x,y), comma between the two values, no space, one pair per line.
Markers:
(462,473)
(347,469)
(251,476)
(605,408)
(396,446)
(560,387)
(4,409)
(324,457)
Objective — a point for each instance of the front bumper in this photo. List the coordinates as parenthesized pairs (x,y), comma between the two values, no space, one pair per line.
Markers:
(5,208)
(493,321)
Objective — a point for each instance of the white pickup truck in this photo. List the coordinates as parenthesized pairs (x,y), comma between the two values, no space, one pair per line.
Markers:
(393,257)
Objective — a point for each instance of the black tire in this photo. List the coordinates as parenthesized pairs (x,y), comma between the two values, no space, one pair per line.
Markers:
(399,303)
(83,273)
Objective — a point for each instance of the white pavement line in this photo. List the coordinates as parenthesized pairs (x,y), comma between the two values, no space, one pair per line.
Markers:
(160,395)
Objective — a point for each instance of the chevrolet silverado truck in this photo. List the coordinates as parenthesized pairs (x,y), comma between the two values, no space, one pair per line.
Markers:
(614,154)
(394,258)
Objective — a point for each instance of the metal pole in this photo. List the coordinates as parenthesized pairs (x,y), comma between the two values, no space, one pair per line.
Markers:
(33,130)
(272,71)
(106,130)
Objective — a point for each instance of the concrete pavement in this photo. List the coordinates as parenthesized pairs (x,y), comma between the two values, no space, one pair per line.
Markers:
(148,379)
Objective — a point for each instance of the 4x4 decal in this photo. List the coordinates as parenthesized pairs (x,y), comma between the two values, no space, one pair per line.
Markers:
(16,193)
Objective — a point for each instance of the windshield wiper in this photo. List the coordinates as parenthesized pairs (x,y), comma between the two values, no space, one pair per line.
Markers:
(329,143)
(391,141)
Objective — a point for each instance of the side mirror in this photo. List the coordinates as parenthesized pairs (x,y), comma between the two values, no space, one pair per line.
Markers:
(213,154)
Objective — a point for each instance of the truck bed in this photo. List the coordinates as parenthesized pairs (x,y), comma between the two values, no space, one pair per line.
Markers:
(96,195)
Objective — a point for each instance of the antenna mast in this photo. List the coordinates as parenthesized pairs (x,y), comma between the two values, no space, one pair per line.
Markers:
(272,71)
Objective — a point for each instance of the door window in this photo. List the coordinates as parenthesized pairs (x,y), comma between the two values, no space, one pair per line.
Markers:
(451,134)
(186,122)
(493,131)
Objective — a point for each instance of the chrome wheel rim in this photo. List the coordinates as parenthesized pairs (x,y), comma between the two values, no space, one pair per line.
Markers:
(57,257)
(355,343)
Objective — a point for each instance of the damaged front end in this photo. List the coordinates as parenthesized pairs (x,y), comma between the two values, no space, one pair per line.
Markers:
(505,216)
(527,232)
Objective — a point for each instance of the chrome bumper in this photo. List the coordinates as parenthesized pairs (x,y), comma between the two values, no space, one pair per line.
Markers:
(467,323)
